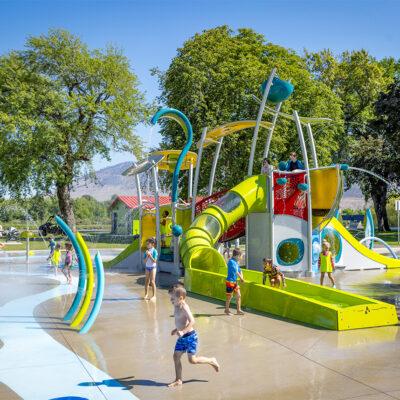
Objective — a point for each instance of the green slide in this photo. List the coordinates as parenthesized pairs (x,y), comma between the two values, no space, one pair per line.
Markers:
(126,258)
(205,271)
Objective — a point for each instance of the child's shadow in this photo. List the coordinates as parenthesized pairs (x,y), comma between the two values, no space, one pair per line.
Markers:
(129,383)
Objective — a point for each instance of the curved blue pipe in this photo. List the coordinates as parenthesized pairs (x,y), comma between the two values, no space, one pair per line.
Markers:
(99,294)
(370,227)
(184,122)
(82,269)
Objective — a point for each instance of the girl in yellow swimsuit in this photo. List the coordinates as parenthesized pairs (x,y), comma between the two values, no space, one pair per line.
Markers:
(326,263)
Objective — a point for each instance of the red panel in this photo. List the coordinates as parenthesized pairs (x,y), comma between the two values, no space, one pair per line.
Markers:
(288,200)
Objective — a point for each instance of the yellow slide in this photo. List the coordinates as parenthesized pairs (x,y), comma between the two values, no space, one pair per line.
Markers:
(356,254)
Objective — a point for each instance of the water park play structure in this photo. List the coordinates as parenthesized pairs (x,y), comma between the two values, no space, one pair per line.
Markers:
(284,215)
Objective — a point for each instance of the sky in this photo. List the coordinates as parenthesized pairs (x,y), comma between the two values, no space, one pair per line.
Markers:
(150,32)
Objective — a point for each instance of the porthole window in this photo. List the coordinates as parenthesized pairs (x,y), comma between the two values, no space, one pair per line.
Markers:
(290,252)
(229,202)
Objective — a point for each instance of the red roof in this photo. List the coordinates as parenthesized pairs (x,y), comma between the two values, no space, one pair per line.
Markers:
(132,202)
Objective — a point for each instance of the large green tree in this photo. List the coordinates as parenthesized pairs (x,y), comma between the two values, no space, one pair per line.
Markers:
(359,79)
(61,104)
(380,151)
(213,78)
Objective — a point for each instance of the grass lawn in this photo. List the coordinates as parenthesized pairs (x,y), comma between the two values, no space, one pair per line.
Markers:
(40,245)
(388,237)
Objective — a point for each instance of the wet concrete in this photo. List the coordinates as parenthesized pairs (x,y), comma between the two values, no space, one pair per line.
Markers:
(261,356)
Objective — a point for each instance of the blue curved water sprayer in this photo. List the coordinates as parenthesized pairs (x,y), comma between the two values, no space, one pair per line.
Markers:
(183,121)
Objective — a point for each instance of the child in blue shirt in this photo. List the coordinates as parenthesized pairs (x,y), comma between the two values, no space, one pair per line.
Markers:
(234,272)
(150,257)
(294,164)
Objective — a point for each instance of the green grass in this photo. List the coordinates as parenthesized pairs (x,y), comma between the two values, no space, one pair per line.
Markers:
(389,237)
(36,245)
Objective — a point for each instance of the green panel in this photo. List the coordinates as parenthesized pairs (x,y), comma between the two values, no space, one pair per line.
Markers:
(317,305)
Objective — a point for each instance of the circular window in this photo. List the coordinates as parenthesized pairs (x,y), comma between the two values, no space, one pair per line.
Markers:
(334,239)
(290,251)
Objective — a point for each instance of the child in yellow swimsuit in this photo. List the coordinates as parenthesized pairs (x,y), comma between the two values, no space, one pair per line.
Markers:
(326,263)
(56,258)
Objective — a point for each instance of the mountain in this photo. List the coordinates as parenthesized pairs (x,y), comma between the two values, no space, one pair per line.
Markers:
(109,181)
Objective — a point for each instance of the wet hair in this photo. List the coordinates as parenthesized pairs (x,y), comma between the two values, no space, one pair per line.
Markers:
(326,244)
(236,252)
(166,213)
(151,240)
(175,286)
(179,291)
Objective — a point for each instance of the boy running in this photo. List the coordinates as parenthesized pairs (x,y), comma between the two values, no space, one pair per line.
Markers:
(187,336)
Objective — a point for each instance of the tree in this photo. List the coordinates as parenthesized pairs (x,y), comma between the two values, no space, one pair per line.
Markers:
(380,151)
(212,80)
(60,104)
(359,79)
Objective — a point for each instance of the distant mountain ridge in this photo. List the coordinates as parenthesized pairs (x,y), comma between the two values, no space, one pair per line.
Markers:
(109,181)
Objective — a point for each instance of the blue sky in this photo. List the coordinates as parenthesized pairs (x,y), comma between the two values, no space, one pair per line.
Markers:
(149,32)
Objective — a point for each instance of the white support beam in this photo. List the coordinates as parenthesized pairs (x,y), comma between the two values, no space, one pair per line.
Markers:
(259,118)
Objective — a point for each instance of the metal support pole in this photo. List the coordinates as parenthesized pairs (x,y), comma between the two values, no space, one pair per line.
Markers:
(397,208)
(140,204)
(214,166)
(157,205)
(312,144)
(271,130)
(190,185)
(309,205)
(271,213)
(259,118)
(197,172)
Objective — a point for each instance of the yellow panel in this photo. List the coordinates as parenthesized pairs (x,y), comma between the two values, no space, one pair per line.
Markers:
(326,192)
(148,228)
(229,128)
(170,158)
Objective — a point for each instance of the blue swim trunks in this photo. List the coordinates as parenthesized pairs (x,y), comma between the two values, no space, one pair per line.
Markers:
(187,343)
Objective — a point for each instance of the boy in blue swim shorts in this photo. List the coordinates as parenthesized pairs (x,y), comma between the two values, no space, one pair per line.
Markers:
(187,336)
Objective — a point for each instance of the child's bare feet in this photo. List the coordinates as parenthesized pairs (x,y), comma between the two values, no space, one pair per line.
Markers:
(239,312)
(154,298)
(227,312)
(178,382)
(214,364)
(146,297)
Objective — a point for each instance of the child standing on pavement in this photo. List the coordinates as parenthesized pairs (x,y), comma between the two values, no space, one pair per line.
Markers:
(68,263)
(326,263)
(150,257)
(56,258)
(234,272)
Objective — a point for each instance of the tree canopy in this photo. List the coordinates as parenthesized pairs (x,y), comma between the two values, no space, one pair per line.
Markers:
(61,104)
(212,80)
